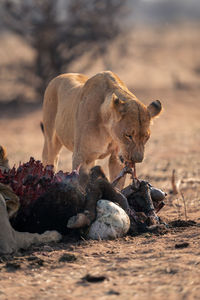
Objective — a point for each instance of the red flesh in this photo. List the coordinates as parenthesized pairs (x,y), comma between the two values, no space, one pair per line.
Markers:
(31,180)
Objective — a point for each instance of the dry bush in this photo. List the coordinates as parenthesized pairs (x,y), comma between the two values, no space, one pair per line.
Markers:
(60,32)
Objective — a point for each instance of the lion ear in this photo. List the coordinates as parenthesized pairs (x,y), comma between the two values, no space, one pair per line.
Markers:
(118,104)
(154,108)
(2,152)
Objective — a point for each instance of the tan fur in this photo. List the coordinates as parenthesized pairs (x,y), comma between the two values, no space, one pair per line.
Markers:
(12,200)
(95,117)
(4,165)
(11,240)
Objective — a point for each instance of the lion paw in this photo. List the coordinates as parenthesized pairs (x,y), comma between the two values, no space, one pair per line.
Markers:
(78,221)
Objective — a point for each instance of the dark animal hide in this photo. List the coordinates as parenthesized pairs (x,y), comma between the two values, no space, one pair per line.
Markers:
(48,200)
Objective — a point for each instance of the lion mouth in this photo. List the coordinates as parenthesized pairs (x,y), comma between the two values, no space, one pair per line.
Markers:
(129,164)
(130,167)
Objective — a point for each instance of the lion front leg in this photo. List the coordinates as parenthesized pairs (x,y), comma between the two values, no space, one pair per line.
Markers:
(115,167)
(83,161)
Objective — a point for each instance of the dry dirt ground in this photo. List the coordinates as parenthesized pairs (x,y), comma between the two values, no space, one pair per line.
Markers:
(153,266)
(147,266)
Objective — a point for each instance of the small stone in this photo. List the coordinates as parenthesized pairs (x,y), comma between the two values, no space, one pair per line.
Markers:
(12,266)
(66,257)
(181,245)
(94,278)
(113,292)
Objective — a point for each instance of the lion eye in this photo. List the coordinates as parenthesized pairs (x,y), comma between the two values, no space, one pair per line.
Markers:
(128,136)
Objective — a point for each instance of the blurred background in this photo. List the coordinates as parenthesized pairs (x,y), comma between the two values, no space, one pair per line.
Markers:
(149,43)
(153,46)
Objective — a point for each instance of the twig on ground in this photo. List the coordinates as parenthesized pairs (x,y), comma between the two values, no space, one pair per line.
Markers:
(178,207)
(185,207)
(181,183)
(175,187)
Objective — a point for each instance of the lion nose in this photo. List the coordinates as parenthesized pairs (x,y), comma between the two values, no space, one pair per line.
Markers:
(138,157)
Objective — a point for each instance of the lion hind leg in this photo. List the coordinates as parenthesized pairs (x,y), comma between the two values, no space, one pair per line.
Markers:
(52,147)
(11,240)
(26,239)
(7,238)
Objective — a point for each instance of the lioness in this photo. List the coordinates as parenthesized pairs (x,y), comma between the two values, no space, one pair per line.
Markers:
(95,117)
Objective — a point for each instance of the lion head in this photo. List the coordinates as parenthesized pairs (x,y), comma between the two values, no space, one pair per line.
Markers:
(128,122)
